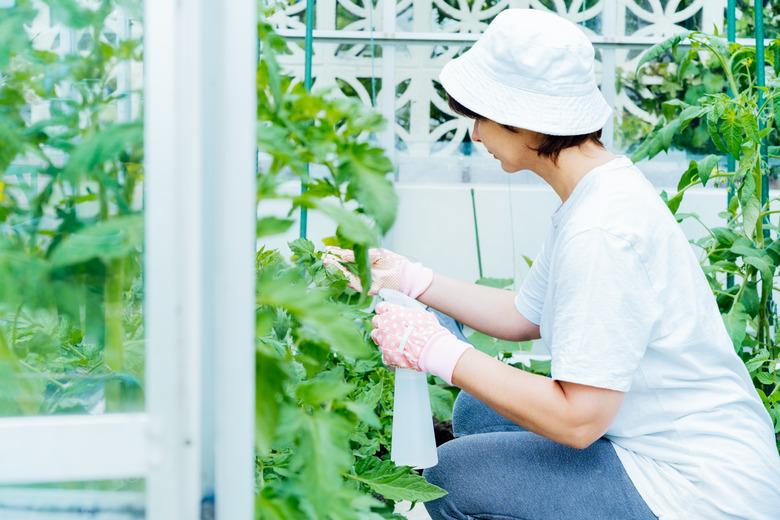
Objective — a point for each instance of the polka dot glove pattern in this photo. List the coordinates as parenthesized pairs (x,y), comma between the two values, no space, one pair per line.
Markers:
(389,270)
(413,338)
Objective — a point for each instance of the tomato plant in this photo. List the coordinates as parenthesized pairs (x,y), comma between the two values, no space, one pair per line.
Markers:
(324,398)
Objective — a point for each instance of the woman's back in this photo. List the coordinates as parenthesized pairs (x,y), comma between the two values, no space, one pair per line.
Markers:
(692,426)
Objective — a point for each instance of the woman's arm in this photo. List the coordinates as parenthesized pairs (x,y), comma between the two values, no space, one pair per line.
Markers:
(569,413)
(486,309)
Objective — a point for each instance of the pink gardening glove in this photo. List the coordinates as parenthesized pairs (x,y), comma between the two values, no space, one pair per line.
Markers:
(388,271)
(413,338)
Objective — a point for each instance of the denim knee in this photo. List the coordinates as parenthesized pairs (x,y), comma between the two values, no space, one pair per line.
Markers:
(466,414)
(442,508)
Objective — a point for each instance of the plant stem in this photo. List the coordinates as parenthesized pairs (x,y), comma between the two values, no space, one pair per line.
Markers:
(114,331)
(726,70)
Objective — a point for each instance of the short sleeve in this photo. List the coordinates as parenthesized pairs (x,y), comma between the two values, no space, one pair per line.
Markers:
(603,311)
(529,300)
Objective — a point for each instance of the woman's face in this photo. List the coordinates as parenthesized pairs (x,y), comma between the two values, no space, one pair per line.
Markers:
(511,148)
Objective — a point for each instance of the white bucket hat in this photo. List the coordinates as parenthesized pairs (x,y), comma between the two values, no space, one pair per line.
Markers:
(530,69)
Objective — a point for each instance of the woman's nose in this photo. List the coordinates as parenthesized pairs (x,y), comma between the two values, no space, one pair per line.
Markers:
(474,133)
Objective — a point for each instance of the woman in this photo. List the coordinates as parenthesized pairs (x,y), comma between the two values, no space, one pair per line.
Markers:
(648,413)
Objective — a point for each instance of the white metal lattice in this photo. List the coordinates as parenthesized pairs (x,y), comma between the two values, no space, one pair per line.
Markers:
(424,34)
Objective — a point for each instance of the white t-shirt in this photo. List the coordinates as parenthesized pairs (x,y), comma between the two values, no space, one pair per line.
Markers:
(622,303)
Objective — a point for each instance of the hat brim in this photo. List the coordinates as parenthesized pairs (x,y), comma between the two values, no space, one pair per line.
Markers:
(465,80)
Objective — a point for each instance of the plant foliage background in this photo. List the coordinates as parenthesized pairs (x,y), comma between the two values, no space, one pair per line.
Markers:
(71,247)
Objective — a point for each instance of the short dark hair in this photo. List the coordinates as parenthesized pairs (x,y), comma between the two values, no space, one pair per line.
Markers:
(550,146)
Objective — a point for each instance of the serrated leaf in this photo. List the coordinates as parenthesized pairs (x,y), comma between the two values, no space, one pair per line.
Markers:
(395,482)
(321,318)
(326,386)
(731,131)
(713,128)
(372,393)
(659,49)
(322,456)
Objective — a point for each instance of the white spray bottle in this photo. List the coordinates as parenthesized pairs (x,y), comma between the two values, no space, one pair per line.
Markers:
(413,441)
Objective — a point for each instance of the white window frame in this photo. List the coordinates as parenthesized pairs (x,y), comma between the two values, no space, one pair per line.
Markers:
(200,106)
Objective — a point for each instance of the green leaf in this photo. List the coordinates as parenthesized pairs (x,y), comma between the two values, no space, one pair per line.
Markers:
(493,346)
(688,177)
(366,168)
(321,318)
(442,401)
(371,393)
(705,167)
(270,377)
(750,214)
(106,145)
(364,412)
(108,239)
(660,140)
(659,49)
(736,324)
(325,387)
(724,236)
(322,456)
(757,361)
(713,127)
(351,225)
(763,265)
(674,203)
(689,114)
(395,482)
(731,131)
(749,299)
(267,226)
(499,283)
(773,250)
(751,208)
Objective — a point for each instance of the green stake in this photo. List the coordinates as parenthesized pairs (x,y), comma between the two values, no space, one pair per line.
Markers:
(309,44)
(476,232)
(731,163)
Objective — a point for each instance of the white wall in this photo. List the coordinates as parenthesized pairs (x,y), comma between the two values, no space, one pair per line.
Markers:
(435,224)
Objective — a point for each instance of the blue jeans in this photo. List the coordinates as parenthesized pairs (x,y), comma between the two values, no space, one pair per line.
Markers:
(496,470)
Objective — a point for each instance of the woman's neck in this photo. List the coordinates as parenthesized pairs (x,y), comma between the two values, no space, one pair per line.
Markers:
(573,163)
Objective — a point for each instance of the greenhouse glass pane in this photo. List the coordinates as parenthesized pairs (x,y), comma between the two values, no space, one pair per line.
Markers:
(71,207)
(101,500)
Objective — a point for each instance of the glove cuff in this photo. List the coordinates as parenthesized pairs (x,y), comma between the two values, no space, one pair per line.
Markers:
(441,354)
(415,279)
